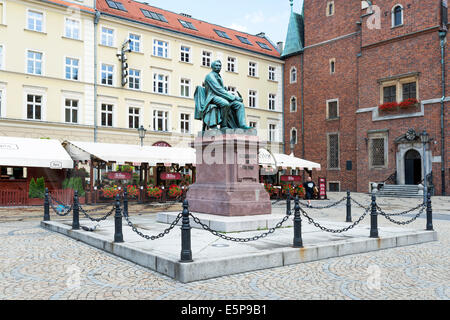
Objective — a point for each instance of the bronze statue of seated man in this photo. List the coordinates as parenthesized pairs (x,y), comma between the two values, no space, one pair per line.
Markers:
(215,106)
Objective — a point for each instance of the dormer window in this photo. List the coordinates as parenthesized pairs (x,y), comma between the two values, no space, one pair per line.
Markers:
(397,16)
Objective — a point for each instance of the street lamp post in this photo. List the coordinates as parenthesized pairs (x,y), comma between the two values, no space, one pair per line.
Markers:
(425,138)
(142,132)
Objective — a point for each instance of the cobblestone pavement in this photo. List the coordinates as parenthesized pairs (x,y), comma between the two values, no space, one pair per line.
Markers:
(38,264)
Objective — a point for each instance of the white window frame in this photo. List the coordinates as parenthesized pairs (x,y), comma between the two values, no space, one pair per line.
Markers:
(2,57)
(71,109)
(134,115)
(3,17)
(232,63)
(166,50)
(333,66)
(31,90)
(133,77)
(112,112)
(275,132)
(252,69)
(165,81)
(393,16)
(328,14)
(205,57)
(185,54)
(43,20)
(2,100)
(272,74)
(112,72)
(166,117)
(138,42)
(66,65)
(189,122)
(188,85)
(272,101)
(108,36)
(293,69)
(66,19)
(34,63)
(252,98)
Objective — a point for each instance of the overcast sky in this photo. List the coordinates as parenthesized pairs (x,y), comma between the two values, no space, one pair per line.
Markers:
(251,16)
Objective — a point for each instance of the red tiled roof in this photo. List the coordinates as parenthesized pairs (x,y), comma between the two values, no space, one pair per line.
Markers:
(204,30)
(70,4)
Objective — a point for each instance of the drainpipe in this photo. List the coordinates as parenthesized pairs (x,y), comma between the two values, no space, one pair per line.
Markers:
(303,109)
(442,36)
(96,20)
(282,109)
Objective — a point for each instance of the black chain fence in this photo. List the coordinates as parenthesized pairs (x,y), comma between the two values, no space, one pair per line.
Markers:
(388,217)
(147,237)
(225,237)
(62,209)
(86,213)
(323,207)
(318,225)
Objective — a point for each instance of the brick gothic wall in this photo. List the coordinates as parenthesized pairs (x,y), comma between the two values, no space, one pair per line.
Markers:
(384,53)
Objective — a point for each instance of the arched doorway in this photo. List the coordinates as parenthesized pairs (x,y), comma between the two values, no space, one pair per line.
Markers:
(413,167)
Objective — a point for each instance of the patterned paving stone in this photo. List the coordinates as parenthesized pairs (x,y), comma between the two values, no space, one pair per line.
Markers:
(38,264)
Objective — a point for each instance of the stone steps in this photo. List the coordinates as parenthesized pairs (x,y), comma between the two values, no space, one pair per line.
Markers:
(400,191)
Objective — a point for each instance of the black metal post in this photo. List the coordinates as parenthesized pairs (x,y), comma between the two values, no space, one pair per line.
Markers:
(349,208)
(118,236)
(46,206)
(429,213)
(125,203)
(76,212)
(186,252)
(288,205)
(298,242)
(373,218)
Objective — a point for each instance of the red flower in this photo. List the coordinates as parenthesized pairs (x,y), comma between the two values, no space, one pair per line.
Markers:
(388,106)
(408,102)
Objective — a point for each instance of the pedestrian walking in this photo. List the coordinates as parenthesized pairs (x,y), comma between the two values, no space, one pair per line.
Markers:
(309,190)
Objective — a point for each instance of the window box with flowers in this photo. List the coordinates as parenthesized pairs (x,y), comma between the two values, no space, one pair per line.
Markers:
(409,104)
(388,107)
(109,192)
(132,191)
(270,189)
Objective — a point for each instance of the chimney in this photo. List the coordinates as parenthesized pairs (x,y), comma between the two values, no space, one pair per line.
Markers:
(280,46)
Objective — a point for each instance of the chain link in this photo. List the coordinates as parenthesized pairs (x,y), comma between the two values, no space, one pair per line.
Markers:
(316,224)
(359,204)
(97,219)
(224,237)
(402,223)
(324,207)
(66,213)
(400,213)
(147,237)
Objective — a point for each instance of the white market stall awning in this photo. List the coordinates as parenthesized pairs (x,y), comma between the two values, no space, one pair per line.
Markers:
(268,159)
(40,153)
(127,153)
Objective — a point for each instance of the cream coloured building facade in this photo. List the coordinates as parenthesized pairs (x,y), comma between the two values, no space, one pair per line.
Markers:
(60,74)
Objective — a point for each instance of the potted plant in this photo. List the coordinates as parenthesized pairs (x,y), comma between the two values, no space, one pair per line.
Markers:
(154,192)
(174,191)
(132,191)
(288,188)
(270,189)
(127,168)
(300,191)
(110,192)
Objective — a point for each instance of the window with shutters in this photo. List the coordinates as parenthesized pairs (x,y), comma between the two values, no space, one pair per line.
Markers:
(333,151)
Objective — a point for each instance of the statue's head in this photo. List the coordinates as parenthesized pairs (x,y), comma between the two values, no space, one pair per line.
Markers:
(216,66)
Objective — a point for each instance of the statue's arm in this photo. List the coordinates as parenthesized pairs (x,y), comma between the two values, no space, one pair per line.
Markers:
(219,90)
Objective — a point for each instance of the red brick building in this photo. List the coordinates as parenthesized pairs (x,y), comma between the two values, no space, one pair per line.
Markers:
(345,59)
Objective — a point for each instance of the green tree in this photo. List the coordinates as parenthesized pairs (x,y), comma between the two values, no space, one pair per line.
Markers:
(32,189)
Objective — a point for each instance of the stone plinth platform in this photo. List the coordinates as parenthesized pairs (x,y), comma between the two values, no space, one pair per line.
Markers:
(229,224)
(227,175)
(214,257)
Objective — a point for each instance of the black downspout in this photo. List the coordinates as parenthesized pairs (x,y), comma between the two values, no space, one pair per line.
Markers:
(442,36)
(303,108)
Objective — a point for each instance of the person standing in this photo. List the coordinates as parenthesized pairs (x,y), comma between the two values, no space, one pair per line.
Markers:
(309,190)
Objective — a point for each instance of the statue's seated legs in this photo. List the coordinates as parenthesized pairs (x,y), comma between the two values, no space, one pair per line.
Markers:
(230,119)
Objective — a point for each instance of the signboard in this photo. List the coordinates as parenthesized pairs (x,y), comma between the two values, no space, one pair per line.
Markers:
(291,178)
(56,165)
(120,175)
(162,144)
(323,188)
(268,171)
(170,176)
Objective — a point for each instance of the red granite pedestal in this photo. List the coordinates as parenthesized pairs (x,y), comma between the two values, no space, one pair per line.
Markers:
(227,181)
